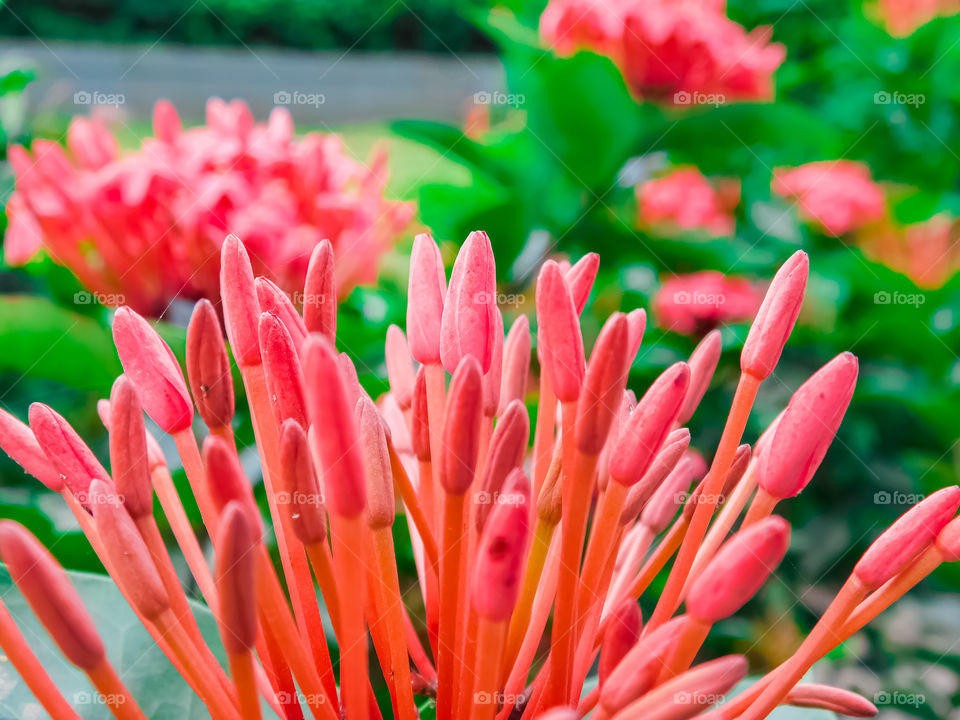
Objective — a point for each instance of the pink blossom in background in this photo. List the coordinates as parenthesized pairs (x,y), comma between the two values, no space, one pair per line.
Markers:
(838,195)
(903,17)
(687,200)
(146,226)
(699,302)
(927,252)
(680,52)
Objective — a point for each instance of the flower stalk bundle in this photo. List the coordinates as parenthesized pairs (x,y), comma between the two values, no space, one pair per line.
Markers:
(505,538)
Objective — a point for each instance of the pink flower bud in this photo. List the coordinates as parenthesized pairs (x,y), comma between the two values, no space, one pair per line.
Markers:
(807,426)
(776,317)
(274,300)
(299,481)
(467,323)
(281,366)
(400,370)
(425,298)
(18,442)
(580,278)
(637,321)
(739,569)
(241,308)
(910,535)
(948,541)
(376,464)
(351,381)
(334,433)
(154,371)
(672,493)
(619,637)
(500,555)
(208,366)
(603,386)
(674,448)
(127,553)
(627,403)
(74,461)
(461,431)
(831,699)
(508,447)
(516,362)
(550,502)
(419,417)
(129,459)
(236,575)
(649,424)
(491,379)
(703,363)
(226,480)
(320,293)
(50,595)
(559,341)
(166,122)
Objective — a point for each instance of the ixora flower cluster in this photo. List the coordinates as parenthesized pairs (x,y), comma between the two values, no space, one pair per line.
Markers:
(504,538)
(145,227)
(685,52)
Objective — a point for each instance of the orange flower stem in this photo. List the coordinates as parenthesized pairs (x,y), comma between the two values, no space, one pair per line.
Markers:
(376,625)
(490,642)
(241,670)
(417,652)
(224,432)
(322,563)
(114,693)
(600,548)
(685,649)
(409,496)
(577,489)
(436,380)
(762,505)
(450,561)
(468,668)
(349,565)
(658,559)
(28,667)
(186,443)
(589,702)
(432,589)
(543,434)
(520,620)
(281,677)
(743,400)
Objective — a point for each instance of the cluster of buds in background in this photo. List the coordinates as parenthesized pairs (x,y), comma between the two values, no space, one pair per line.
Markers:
(505,538)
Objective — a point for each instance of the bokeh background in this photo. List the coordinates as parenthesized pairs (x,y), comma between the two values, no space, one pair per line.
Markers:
(557,137)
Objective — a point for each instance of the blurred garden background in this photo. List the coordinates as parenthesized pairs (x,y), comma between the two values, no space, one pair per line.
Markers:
(693,145)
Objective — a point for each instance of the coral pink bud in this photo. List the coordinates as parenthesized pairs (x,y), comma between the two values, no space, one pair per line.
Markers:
(334,433)
(419,417)
(739,569)
(320,293)
(376,464)
(236,574)
(619,637)
(129,459)
(274,300)
(126,552)
(467,325)
(300,488)
(241,308)
(53,599)
(637,322)
(603,385)
(149,363)
(672,492)
(208,366)
(508,446)
(910,535)
(18,442)
(90,143)
(831,699)
(627,403)
(674,448)
(516,362)
(559,340)
(166,122)
(491,380)
(281,367)
(776,317)
(155,457)
(425,299)
(948,541)
(500,555)
(807,426)
(649,424)
(741,460)
(703,363)
(400,370)
(226,480)
(74,461)
(580,278)
(766,437)
(461,431)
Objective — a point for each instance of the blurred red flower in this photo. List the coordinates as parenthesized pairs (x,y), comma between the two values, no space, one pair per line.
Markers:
(686,200)
(902,17)
(700,301)
(926,252)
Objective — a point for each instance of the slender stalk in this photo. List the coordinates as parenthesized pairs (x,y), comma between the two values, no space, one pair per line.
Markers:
(450,562)
(490,643)
(417,652)
(414,509)
(431,593)
(189,453)
(349,566)
(743,400)
(762,505)
(685,650)
(658,559)
(241,669)
(114,693)
(602,545)
(322,562)
(543,434)
(436,411)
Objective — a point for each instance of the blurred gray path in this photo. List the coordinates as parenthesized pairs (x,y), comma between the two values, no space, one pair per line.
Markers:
(319,88)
